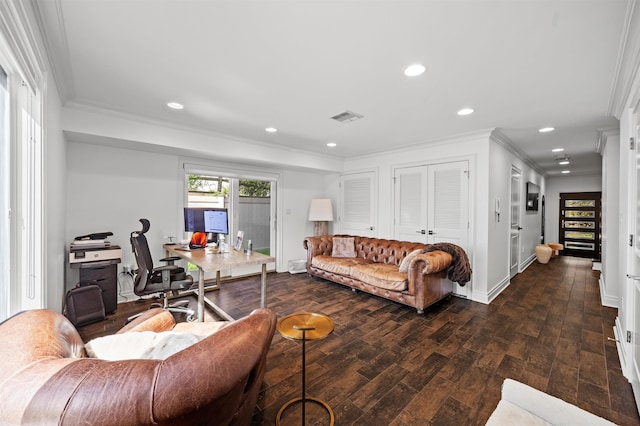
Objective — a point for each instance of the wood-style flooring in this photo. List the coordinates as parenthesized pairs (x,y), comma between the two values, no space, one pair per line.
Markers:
(386,365)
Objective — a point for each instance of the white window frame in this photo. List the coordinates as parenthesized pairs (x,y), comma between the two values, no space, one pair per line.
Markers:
(24,283)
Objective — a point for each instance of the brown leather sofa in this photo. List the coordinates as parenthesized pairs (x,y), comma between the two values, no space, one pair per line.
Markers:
(46,378)
(375,268)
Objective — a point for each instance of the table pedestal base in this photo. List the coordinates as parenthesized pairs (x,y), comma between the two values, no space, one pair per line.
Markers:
(310,399)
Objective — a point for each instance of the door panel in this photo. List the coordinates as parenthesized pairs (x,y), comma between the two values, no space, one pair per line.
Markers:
(514,218)
(411,205)
(358,206)
(448,203)
(580,224)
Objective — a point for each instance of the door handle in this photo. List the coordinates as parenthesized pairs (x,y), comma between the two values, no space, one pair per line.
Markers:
(520,228)
(431,232)
(422,231)
(370,228)
(633,277)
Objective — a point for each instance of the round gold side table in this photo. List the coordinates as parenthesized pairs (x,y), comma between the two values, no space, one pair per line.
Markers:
(305,326)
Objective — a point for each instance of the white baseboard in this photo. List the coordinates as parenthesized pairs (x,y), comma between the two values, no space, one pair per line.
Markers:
(605,299)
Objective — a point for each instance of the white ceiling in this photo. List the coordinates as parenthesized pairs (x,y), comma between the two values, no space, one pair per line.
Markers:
(240,66)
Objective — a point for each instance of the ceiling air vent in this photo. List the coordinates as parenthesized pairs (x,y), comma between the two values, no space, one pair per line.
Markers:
(347,116)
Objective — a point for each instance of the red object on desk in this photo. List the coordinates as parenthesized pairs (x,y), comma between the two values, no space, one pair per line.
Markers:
(198,240)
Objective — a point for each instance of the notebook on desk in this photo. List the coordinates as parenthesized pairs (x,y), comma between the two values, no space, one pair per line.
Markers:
(187,248)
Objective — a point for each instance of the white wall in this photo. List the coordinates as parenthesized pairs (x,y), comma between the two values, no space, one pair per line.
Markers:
(499,237)
(110,188)
(557,185)
(55,203)
(610,277)
(475,149)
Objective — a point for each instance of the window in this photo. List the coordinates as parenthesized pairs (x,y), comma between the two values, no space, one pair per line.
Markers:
(248,195)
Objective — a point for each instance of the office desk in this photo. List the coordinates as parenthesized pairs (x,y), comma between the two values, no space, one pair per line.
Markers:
(216,262)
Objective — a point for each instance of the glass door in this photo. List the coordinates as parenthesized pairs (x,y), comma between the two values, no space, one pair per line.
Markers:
(580,224)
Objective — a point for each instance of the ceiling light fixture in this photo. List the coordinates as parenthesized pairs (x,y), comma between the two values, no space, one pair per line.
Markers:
(332,144)
(465,111)
(414,70)
(563,160)
(566,172)
(175,105)
(546,129)
(271,130)
(557,150)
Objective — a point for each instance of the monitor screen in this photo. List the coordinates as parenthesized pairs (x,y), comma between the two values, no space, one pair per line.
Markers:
(206,219)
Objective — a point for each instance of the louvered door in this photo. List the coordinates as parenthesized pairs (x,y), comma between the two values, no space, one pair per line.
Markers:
(432,203)
(358,206)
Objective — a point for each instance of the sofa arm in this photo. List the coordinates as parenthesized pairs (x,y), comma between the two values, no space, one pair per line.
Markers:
(156,319)
(316,246)
(518,396)
(431,262)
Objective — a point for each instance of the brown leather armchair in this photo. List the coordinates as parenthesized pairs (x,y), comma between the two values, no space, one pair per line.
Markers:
(46,378)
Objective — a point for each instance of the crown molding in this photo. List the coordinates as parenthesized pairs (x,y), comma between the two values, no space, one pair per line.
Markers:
(55,43)
(21,43)
(603,135)
(628,61)
(502,140)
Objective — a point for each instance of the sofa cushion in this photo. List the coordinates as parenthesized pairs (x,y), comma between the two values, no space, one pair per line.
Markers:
(404,265)
(343,247)
(380,275)
(140,345)
(337,265)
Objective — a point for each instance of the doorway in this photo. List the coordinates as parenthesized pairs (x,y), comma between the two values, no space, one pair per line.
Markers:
(514,220)
(580,224)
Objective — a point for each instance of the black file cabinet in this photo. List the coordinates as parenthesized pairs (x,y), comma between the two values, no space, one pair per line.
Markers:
(105,275)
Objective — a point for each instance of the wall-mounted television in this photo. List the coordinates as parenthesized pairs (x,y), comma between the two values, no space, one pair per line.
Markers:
(533,194)
(206,219)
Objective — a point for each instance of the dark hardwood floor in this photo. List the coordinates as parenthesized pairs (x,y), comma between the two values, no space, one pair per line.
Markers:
(386,365)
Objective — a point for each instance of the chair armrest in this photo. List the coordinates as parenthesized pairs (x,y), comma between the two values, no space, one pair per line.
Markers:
(170,259)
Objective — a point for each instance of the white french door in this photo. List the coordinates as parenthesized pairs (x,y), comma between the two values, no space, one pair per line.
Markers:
(432,205)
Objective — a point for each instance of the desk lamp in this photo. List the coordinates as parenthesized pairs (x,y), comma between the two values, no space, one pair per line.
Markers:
(321,213)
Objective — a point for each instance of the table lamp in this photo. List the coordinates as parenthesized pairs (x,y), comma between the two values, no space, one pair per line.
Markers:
(321,213)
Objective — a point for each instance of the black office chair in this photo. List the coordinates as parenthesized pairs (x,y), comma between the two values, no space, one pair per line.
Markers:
(167,280)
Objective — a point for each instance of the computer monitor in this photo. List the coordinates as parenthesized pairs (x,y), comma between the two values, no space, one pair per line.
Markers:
(206,219)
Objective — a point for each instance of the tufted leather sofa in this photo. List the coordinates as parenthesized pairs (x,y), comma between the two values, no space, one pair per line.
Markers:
(46,378)
(376,269)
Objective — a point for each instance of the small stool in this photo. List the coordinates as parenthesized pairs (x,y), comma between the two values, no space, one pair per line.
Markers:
(543,253)
(555,248)
(305,326)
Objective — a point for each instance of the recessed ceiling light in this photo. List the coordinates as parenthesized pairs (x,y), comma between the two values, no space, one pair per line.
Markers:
(465,111)
(332,144)
(271,129)
(557,150)
(175,105)
(565,172)
(546,129)
(564,162)
(414,70)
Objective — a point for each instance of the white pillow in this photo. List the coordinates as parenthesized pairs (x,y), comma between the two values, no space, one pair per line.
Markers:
(140,345)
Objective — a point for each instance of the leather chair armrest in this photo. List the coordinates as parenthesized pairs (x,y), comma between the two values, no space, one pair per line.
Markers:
(156,319)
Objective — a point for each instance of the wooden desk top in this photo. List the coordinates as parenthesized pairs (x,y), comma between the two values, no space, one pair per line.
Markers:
(213,262)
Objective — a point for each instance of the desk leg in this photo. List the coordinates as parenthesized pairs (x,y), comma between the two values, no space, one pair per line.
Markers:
(263,287)
(200,295)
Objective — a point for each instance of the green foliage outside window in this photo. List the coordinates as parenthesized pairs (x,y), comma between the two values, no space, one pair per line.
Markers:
(220,186)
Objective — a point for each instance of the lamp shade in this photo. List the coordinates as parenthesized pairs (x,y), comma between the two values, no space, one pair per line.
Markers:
(321,210)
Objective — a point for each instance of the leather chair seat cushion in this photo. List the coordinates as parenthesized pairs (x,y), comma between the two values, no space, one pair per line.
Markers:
(381,275)
(338,265)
